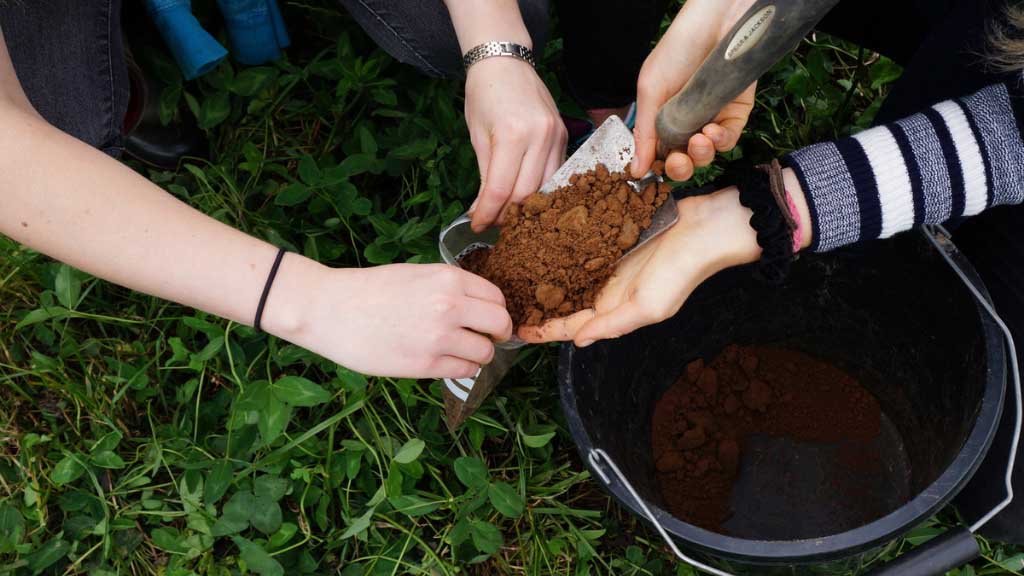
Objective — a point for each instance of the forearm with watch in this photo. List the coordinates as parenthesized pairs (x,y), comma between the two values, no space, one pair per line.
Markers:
(514,124)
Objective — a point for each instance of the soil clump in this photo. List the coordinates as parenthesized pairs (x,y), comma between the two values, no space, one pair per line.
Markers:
(700,424)
(557,250)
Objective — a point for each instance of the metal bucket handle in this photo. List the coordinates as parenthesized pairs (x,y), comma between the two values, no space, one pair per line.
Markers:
(939,555)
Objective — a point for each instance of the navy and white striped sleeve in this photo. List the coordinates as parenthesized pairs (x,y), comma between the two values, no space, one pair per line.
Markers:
(955,159)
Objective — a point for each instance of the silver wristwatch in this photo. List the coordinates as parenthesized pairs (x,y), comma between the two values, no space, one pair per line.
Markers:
(489,49)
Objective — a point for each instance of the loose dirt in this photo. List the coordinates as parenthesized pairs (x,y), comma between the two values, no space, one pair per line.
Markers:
(557,250)
(701,424)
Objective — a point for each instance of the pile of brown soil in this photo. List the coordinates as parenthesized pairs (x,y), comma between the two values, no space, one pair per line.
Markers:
(701,423)
(557,250)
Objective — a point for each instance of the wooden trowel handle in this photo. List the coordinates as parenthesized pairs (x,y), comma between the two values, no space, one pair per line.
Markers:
(762,37)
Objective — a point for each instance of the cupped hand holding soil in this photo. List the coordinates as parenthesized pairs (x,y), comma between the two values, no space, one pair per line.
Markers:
(557,250)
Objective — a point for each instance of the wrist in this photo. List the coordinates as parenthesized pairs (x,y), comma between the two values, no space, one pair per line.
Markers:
(803,211)
(291,303)
(499,68)
(720,229)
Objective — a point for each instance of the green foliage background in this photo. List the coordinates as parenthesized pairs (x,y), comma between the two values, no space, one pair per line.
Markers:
(138,437)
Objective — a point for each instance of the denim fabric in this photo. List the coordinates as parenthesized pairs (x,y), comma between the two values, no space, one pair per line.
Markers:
(420,32)
(602,54)
(256,29)
(70,59)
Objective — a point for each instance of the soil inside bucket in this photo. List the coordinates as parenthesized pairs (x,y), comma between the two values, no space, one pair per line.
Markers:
(557,250)
(770,443)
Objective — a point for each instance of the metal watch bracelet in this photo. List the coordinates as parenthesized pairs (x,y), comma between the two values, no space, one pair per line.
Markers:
(491,49)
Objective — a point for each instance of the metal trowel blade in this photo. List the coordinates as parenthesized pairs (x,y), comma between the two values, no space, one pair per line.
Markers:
(612,145)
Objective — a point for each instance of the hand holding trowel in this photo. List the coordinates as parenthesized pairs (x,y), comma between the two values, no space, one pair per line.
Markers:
(768,31)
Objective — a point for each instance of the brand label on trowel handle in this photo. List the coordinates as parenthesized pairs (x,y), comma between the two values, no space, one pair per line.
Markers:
(750,33)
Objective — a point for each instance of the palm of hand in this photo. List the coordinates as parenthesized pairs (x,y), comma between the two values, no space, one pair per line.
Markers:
(652,283)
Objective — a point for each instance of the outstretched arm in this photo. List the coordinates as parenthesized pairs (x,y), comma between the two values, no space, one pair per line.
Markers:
(74,203)
(69,201)
(955,159)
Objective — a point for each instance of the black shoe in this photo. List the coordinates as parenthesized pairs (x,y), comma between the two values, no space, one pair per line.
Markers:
(145,138)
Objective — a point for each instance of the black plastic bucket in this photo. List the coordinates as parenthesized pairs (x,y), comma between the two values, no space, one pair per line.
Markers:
(894,315)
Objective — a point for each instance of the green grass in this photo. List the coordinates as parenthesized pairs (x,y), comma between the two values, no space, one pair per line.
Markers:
(141,438)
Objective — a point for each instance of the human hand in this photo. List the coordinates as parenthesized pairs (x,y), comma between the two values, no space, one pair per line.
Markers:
(401,320)
(694,33)
(651,284)
(516,131)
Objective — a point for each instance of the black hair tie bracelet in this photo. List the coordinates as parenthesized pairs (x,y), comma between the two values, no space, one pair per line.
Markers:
(266,290)
(774,234)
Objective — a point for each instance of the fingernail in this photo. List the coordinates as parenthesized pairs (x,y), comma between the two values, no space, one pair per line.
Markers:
(473,205)
(585,343)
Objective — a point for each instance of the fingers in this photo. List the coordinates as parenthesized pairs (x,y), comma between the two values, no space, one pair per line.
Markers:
(701,150)
(679,166)
(502,170)
(531,173)
(733,119)
(486,318)
(732,129)
(557,329)
(470,346)
(644,132)
(721,135)
(714,133)
(556,156)
(452,367)
(613,323)
(518,161)
(479,288)
(543,158)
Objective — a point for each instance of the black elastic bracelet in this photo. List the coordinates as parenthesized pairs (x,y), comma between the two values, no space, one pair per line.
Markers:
(773,233)
(266,290)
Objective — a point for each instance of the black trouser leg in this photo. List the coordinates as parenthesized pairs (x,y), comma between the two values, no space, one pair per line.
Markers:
(606,43)
(71,63)
(940,43)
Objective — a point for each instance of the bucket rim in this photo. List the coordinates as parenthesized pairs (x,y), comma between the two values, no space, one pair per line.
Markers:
(851,542)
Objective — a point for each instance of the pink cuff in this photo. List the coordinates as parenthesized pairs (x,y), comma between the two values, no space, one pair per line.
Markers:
(798,233)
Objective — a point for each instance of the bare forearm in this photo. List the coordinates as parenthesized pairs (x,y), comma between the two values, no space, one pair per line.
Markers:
(75,204)
(477,22)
